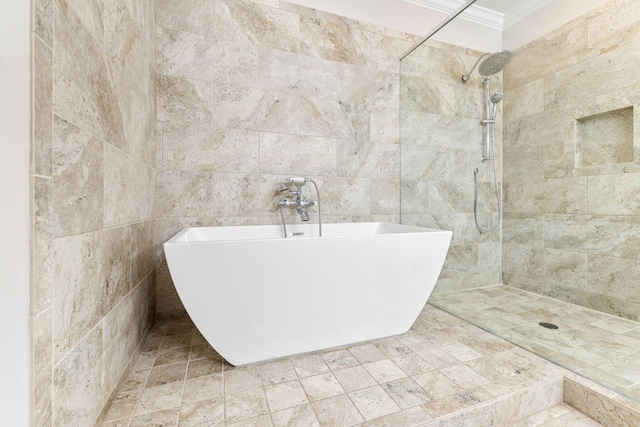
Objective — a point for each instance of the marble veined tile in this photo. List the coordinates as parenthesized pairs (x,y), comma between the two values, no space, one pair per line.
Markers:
(193,16)
(257,24)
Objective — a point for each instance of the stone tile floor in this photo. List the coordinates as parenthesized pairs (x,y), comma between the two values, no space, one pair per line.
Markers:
(443,372)
(598,346)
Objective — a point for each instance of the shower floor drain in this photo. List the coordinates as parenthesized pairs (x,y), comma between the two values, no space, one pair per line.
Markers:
(548,325)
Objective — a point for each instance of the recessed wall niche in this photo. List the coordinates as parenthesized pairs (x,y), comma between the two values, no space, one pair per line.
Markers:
(605,138)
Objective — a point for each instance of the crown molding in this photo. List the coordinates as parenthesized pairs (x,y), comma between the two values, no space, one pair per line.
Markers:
(475,14)
(524,8)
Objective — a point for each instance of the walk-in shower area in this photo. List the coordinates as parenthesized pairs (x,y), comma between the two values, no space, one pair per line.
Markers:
(532,159)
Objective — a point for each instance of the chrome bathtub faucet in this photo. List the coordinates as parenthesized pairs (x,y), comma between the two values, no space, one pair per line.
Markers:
(295,199)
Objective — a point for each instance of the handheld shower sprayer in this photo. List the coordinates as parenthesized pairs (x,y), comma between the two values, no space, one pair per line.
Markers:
(495,100)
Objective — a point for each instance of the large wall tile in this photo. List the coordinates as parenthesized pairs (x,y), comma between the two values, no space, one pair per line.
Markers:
(84,95)
(615,277)
(93,274)
(184,101)
(286,154)
(42,123)
(560,196)
(256,109)
(604,235)
(617,194)
(42,281)
(78,177)
(245,21)
(78,385)
(207,147)
(94,112)
(193,16)
(184,193)
(129,188)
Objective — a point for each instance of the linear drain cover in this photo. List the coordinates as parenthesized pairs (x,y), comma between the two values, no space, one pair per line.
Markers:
(548,325)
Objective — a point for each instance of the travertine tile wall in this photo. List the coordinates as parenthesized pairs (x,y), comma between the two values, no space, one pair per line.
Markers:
(441,143)
(94,169)
(250,92)
(572,212)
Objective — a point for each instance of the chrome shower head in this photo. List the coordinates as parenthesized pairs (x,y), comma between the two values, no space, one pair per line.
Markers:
(282,187)
(496,98)
(495,63)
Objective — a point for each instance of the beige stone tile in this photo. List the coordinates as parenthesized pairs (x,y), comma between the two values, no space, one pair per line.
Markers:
(209,148)
(408,417)
(42,269)
(285,395)
(261,421)
(384,371)
(129,188)
(412,364)
(355,378)
(464,376)
(205,412)
(244,405)
(42,362)
(171,355)
(144,361)
(203,388)
(337,411)
(373,402)
(166,418)
(322,386)
(78,171)
(194,17)
(456,402)
(290,154)
(158,398)
(277,372)
(366,159)
(204,367)
(184,101)
(392,348)
(164,374)
(135,380)
(42,126)
(204,351)
(613,194)
(257,24)
(42,23)
(406,393)
(256,109)
(324,116)
(300,416)
(123,405)
(242,379)
(340,359)
(573,418)
(366,353)
(180,340)
(437,385)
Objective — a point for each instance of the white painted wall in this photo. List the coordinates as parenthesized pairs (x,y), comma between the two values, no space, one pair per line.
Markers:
(15,144)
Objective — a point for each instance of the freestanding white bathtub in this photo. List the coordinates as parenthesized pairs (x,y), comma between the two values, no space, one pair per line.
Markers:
(255,295)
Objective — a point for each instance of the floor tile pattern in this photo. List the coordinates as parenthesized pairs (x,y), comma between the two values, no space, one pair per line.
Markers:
(596,345)
(429,376)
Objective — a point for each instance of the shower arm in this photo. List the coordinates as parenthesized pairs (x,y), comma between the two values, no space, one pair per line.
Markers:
(466,76)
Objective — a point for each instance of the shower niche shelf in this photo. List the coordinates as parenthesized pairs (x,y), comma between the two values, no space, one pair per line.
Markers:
(605,138)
